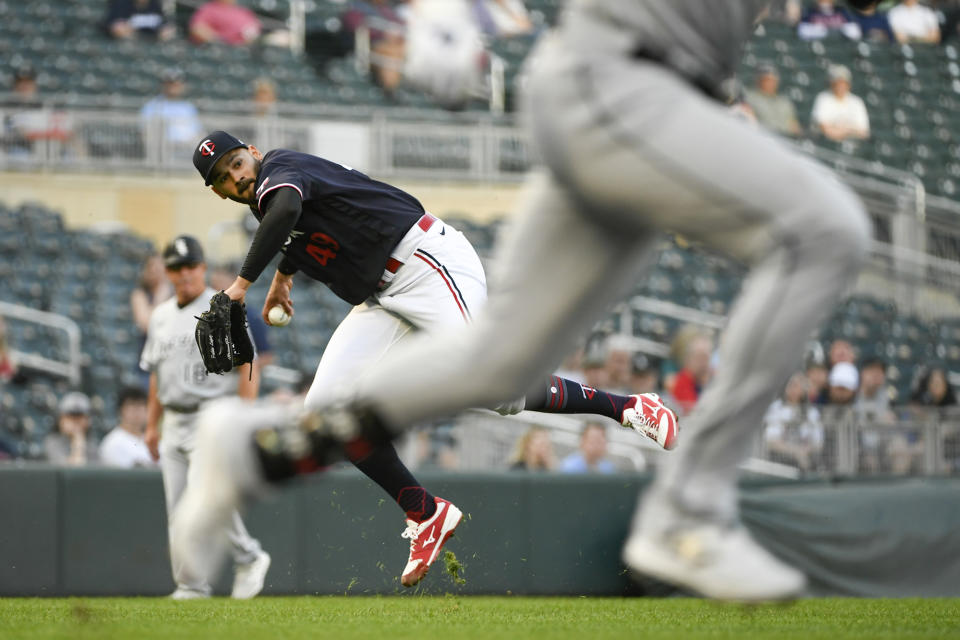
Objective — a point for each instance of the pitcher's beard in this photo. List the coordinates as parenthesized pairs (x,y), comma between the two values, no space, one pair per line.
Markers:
(249,201)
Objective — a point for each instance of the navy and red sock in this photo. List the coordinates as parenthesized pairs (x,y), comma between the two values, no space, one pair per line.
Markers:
(559,395)
(383,466)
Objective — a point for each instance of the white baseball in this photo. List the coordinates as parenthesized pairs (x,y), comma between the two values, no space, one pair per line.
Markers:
(278,317)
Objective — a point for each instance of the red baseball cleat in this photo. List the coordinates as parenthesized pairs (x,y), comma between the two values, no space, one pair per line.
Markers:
(426,540)
(648,415)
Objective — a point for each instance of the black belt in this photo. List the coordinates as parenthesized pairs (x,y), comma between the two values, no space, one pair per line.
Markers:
(704,83)
(181,409)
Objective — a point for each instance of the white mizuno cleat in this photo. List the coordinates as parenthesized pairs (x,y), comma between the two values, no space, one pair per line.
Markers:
(223,472)
(248,578)
(719,562)
(648,415)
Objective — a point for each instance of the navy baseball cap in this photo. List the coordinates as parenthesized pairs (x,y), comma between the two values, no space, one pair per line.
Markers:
(182,251)
(212,148)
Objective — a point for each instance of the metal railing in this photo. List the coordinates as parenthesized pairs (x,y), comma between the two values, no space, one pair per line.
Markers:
(406,142)
(919,442)
(69,369)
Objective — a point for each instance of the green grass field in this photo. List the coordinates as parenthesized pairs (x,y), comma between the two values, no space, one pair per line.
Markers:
(489,618)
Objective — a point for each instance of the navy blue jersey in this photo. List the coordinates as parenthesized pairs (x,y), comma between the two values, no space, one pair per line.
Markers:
(349,223)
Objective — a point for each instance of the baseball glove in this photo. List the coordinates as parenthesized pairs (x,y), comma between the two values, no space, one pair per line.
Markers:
(222,335)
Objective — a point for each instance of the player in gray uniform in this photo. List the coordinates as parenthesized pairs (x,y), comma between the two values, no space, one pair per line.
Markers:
(624,106)
(179,386)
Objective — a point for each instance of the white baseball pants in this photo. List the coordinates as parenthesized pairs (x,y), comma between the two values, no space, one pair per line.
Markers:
(441,284)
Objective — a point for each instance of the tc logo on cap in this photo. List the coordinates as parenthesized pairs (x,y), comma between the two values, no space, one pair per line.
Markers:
(215,145)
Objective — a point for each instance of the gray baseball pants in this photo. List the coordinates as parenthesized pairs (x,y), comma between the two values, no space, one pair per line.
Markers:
(632,149)
(176,445)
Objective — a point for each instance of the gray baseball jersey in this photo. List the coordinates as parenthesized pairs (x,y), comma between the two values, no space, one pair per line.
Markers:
(700,39)
(171,352)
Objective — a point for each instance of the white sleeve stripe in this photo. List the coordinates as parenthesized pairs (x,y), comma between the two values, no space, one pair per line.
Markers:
(277,186)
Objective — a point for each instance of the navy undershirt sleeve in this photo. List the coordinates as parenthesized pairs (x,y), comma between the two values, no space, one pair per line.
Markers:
(286,266)
(281,215)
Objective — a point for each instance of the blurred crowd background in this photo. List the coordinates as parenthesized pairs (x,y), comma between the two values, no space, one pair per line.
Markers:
(127,87)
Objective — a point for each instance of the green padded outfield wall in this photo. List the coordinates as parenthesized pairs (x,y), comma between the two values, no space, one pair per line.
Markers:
(103,532)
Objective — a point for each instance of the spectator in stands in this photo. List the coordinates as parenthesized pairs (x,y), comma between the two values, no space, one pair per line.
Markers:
(787,11)
(433,447)
(592,454)
(678,347)
(533,451)
(644,374)
(23,96)
(502,18)
(841,351)
(696,372)
(226,22)
(124,446)
(874,24)
(934,390)
(772,110)
(176,115)
(152,289)
(873,398)
(129,18)
(27,121)
(220,279)
(595,372)
(793,432)
(913,22)
(387,43)
(823,18)
(618,361)
(838,114)
(71,444)
(872,407)
(264,98)
(843,383)
(8,365)
(572,366)
(24,90)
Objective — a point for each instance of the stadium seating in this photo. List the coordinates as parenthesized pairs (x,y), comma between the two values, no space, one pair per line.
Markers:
(88,277)
(912,94)
(912,91)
